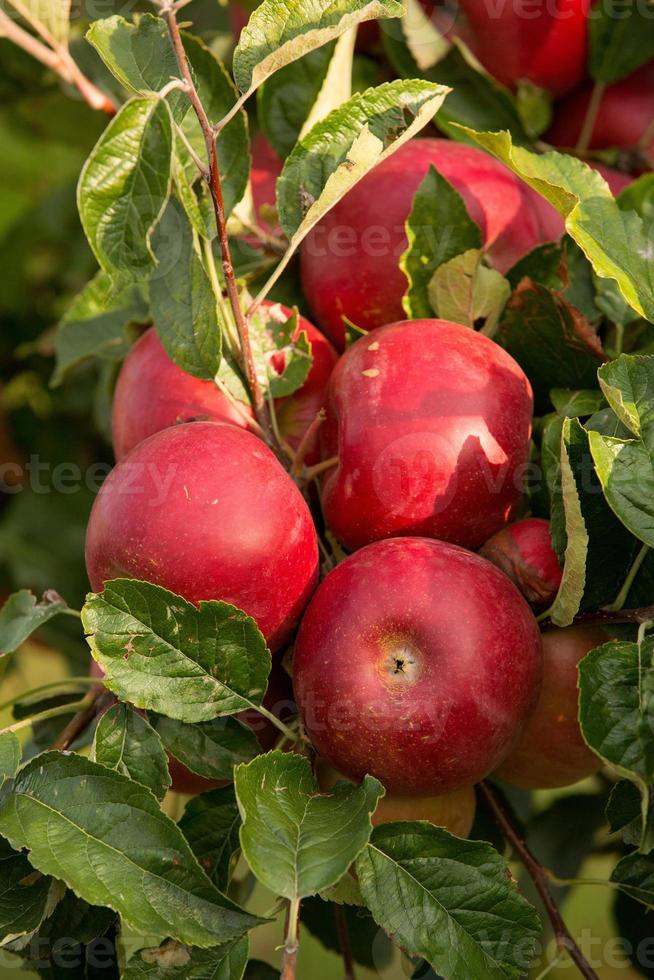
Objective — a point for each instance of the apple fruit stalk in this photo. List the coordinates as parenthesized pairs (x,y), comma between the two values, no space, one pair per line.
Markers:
(430,422)
(417,662)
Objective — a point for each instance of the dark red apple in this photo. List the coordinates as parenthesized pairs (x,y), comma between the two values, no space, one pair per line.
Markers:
(542,41)
(419,663)
(431,423)
(624,117)
(551,751)
(453,811)
(350,260)
(524,552)
(153,393)
(204,509)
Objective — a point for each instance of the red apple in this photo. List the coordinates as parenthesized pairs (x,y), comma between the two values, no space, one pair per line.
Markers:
(153,393)
(419,663)
(551,751)
(350,260)
(624,117)
(431,423)
(524,552)
(454,811)
(206,510)
(544,42)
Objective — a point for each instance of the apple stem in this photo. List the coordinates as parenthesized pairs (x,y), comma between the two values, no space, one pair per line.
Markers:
(621,598)
(538,875)
(588,127)
(291,940)
(169,13)
(305,443)
(344,941)
(313,471)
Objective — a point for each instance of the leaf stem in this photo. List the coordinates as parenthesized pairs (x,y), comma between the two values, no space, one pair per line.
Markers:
(538,875)
(588,126)
(621,597)
(61,709)
(274,720)
(291,940)
(63,682)
(88,708)
(169,14)
(344,941)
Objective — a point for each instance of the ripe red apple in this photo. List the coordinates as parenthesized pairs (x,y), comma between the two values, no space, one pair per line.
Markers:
(453,811)
(431,423)
(153,393)
(419,663)
(365,231)
(551,751)
(542,42)
(204,509)
(624,117)
(524,552)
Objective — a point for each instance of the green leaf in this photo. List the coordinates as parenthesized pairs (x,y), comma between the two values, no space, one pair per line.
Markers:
(160,652)
(72,814)
(628,385)
(438,229)
(210,749)
(285,100)
(140,56)
(614,241)
(626,472)
(22,614)
(179,962)
(182,300)
(634,875)
(576,404)
(100,322)
(124,741)
(621,39)
(282,361)
(25,895)
(296,839)
(280,31)
(10,753)
(552,341)
(624,812)
(125,184)
(211,824)
(465,291)
(616,710)
(347,144)
(450,901)
(53,15)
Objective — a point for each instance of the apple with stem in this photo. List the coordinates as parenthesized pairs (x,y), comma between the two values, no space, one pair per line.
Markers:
(551,751)
(417,662)
(153,392)
(524,552)
(365,232)
(205,510)
(428,423)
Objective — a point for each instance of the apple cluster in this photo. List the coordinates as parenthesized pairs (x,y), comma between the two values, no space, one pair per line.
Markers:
(418,658)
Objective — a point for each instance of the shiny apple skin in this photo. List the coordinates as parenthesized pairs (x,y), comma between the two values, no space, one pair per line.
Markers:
(204,509)
(153,393)
(624,115)
(350,261)
(525,554)
(431,423)
(551,751)
(419,663)
(453,811)
(543,42)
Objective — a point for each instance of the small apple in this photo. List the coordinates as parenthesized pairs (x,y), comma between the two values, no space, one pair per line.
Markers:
(430,422)
(623,120)
(541,42)
(551,751)
(365,231)
(417,662)
(524,552)
(453,811)
(153,393)
(204,509)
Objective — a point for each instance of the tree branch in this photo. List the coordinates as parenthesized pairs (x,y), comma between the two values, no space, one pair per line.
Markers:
(57,59)
(537,874)
(82,719)
(169,13)
(344,940)
(604,617)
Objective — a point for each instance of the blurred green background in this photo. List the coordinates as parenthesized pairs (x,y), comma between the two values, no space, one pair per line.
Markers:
(46,132)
